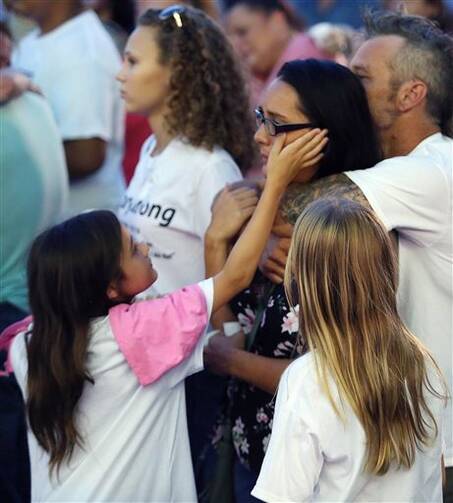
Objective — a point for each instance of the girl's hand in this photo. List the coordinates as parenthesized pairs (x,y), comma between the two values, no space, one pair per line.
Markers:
(285,162)
(230,210)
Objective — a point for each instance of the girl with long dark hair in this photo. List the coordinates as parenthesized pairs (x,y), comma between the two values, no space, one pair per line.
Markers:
(103,377)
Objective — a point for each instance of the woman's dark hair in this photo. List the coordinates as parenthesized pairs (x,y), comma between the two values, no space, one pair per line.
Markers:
(208,102)
(333,98)
(70,267)
(269,7)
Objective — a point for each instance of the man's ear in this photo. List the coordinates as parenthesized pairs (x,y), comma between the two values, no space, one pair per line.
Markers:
(411,94)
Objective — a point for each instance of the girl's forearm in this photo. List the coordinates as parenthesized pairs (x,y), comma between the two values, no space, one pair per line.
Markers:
(243,260)
(215,254)
(244,257)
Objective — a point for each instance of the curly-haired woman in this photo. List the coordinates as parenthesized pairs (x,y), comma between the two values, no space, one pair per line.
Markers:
(179,71)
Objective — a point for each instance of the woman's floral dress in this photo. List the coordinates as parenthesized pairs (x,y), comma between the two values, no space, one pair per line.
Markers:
(252,409)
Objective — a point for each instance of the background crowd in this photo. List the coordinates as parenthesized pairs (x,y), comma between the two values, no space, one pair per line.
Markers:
(172,118)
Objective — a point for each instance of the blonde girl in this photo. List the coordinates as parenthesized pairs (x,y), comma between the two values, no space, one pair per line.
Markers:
(358,417)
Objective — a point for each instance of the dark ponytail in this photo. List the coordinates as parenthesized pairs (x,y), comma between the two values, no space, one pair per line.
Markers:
(70,268)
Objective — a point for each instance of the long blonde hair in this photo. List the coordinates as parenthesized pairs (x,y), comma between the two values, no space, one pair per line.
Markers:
(342,270)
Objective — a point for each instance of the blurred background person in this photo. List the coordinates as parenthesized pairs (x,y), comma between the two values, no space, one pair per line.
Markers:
(6,45)
(266,34)
(74,61)
(19,26)
(439,11)
(339,41)
(333,11)
(117,16)
(210,7)
(33,193)
(34,188)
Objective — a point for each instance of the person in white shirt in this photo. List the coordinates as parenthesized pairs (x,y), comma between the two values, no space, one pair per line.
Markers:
(73,60)
(406,67)
(179,71)
(103,377)
(359,417)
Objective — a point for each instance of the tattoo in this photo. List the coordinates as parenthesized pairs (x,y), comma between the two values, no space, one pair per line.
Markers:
(299,195)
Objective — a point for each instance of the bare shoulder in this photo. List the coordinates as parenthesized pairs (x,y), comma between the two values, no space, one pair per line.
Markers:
(299,195)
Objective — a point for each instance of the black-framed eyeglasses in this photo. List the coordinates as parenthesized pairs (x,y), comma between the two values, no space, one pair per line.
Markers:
(273,129)
(175,12)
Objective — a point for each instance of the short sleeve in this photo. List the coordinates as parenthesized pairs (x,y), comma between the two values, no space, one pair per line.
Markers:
(215,176)
(90,112)
(10,334)
(18,361)
(293,460)
(409,194)
(158,335)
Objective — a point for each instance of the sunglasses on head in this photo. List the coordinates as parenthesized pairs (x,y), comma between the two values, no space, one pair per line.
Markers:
(175,12)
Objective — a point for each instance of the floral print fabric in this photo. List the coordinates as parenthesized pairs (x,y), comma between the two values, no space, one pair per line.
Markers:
(252,409)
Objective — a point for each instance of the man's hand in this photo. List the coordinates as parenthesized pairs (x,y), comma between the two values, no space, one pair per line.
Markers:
(273,260)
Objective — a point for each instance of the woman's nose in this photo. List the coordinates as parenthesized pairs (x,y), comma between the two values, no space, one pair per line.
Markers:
(120,75)
(261,137)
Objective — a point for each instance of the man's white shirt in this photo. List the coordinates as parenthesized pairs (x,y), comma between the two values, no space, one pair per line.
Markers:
(413,195)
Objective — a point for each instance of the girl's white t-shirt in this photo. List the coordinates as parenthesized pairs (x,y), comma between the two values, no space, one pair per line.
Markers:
(315,456)
(136,445)
(168,206)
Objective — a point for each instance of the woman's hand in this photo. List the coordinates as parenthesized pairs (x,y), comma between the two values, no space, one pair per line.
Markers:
(285,162)
(219,354)
(230,211)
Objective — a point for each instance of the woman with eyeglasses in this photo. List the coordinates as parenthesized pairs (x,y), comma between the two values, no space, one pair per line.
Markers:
(306,95)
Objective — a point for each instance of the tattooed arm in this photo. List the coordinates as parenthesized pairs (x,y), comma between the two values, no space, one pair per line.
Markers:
(299,195)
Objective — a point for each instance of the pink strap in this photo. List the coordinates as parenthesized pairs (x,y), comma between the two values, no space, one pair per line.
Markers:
(7,337)
(156,335)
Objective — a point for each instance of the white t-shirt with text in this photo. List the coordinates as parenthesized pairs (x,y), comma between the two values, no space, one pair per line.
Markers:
(168,206)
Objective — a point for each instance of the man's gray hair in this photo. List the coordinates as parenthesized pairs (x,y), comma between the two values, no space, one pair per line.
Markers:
(427,55)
